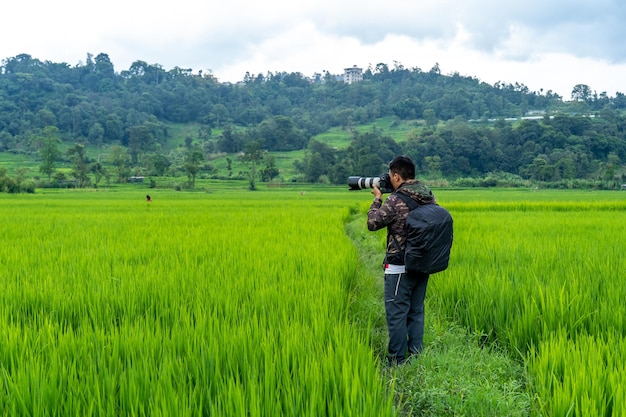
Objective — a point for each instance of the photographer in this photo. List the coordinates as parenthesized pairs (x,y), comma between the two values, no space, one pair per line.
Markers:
(404,292)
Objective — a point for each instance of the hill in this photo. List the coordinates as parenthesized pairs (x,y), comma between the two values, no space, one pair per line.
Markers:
(152,122)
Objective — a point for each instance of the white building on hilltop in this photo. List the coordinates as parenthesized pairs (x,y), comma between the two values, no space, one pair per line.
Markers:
(352,75)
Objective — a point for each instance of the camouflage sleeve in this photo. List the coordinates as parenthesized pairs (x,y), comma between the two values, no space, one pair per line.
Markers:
(381,214)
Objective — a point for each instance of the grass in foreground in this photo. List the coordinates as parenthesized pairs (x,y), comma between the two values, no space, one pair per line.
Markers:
(455,375)
(194,304)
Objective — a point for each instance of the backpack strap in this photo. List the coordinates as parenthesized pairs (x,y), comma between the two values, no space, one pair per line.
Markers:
(412,204)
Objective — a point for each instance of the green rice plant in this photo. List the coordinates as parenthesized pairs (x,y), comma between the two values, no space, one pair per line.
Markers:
(582,377)
(238,303)
(539,271)
(194,304)
(544,280)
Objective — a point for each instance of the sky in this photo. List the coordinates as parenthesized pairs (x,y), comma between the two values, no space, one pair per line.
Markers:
(545,45)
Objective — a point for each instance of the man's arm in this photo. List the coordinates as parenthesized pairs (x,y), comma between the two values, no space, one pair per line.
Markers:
(379,214)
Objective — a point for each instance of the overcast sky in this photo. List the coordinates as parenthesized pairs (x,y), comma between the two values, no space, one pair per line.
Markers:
(546,45)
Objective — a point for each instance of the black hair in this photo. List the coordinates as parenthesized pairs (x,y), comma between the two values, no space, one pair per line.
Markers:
(403,166)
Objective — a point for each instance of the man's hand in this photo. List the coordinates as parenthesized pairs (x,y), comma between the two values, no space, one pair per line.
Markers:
(377,193)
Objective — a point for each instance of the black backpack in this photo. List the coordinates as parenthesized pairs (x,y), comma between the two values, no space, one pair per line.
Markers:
(429,237)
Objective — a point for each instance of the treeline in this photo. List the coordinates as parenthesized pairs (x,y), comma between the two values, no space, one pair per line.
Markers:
(559,150)
(93,104)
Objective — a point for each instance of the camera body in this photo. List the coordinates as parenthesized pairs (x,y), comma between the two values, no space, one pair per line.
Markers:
(359,183)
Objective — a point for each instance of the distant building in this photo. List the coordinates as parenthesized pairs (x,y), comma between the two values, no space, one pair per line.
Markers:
(352,75)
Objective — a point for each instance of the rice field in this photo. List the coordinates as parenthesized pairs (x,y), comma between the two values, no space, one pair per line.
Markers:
(192,305)
(543,277)
(237,303)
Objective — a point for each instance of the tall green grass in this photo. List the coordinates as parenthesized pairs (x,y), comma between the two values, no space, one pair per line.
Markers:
(194,304)
(239,303)
(544,279)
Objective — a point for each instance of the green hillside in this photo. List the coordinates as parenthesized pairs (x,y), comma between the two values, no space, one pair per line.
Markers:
(89,126)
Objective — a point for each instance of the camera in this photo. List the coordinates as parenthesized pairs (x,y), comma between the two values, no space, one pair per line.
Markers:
(359,183)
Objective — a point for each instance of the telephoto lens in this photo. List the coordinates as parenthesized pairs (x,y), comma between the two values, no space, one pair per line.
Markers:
(360,183)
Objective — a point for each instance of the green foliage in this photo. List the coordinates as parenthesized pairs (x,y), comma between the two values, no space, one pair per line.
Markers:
(14,185)
(252,157)
(115,310)
(541,277)
(455,375)
(79,165)
(49,151)
(193,159)
(445,122)
(535,280)
(181,306)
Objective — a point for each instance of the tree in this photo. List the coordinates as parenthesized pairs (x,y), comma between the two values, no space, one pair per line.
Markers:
(49,151)
(7,184)
(104,67)
(160,164)
(231,141)
(20,175)
(229,167)
(611,166)
(219,114)
(140,139)
(251,157)
(430,117)
(98,170)
(113,128)
(96,134)
(79,164)
(191,165)
(540,169)
(370,151)
(45,117)
(318,160)
(6,140)
(382,69)
(433,165)
(315,167)
(410,108)
(581,92)
(119,159)
(270,170)
(281,134)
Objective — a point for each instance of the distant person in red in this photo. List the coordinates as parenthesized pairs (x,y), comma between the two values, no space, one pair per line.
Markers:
(148,199)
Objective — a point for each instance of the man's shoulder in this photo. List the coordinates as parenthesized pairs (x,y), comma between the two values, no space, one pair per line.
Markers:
(417,191)
(396,204)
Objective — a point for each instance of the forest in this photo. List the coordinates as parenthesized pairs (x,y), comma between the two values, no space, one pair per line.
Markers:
(462,130)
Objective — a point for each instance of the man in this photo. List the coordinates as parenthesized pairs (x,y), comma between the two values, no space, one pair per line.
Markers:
(404,292)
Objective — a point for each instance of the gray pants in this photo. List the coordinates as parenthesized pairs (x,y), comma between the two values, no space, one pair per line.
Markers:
(404,307)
